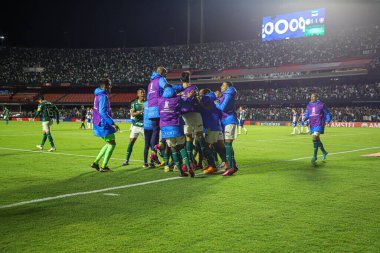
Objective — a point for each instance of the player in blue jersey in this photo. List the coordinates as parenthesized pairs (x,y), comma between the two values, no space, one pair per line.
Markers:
(226,104)
(295,119)
(319,116)
(148,133)
(213,128)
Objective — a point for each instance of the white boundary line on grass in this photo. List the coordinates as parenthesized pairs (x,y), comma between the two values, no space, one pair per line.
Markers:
(59,153)
(145,183)
(336,153)
(88,192)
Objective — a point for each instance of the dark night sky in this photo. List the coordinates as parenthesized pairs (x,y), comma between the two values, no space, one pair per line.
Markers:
(97,23)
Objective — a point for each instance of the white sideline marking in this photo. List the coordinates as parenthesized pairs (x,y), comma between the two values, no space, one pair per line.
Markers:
(148,182)
(306,136)
(336,153)
(88,192)
(59,153)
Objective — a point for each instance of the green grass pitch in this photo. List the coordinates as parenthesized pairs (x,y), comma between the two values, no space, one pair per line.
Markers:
(277,202)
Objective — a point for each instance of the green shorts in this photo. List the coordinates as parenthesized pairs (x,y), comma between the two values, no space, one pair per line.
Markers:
(110,137)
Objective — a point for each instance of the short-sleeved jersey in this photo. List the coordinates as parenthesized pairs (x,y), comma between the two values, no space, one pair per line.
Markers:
(242,115)
(6,112)
(89,115)
(294,117)
(303,118)
(47,111)
(83,113)
(136,106)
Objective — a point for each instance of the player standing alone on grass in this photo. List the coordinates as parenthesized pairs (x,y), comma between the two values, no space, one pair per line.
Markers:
(242,117)
(318,116)
(103,124)
(6,115)
(89,118)
(82,117)
(137,111)
(304,122)
(47,111)
(295,122)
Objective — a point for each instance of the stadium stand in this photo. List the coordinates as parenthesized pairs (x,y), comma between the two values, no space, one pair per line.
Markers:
(54,97)
(77,98)
(272,70)
(123,97)
(134,65)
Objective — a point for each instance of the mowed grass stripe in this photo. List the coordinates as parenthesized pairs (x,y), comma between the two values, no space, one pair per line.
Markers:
(150,182)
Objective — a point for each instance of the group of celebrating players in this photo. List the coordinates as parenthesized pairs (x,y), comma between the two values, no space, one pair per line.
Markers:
(175,120)
(178,121)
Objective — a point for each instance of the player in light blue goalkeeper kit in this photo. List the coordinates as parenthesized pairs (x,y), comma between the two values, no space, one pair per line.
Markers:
(319,116)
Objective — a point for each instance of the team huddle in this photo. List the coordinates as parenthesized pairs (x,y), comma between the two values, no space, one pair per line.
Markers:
(179,122)
(188,128)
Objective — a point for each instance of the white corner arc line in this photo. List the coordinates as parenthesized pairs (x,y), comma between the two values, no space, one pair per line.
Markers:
(145,183)
(60,153)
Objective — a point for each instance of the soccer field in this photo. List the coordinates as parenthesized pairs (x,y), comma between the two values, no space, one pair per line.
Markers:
(276,202)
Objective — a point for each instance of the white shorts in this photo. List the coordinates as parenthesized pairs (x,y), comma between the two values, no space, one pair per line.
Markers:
(46,125)
(172,142)
(135,131)
(212,137)
(193,122)
(230,132)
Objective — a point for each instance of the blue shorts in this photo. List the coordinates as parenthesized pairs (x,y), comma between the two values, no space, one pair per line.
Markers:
(241,122)
(304,123)
(294,124)
(319,129)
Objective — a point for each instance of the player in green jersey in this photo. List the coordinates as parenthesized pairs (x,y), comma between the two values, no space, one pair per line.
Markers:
(6,115)
(137,111)
(47,111)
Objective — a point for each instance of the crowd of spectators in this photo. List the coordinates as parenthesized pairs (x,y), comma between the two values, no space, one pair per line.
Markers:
(325,91)
(339,114)
(134,65)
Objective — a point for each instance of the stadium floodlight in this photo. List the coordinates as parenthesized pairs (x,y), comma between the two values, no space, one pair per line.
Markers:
(2,37)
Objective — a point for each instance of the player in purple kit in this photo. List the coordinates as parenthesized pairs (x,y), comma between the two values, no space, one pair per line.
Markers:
(169,106)
(318,116)
(155,90)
